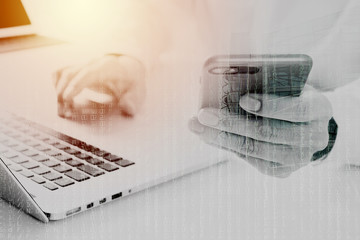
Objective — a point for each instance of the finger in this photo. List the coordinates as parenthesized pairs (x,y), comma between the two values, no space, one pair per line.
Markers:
(57,75)
(271,168)
(64,109)
(312,134)
(280,153)
(131,90)
(84,78)
(130,94)
(63,77)
(266,167)
(131,101)
(309,106)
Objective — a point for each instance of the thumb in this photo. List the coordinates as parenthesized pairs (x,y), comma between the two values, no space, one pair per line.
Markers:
(131,101)
(250,103)
(310,105)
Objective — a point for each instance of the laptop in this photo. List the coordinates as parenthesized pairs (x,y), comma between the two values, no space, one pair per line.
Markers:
(16,30)
(52,175)
(52,170)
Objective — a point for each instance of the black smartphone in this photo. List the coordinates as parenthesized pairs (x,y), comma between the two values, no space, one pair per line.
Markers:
(225,78)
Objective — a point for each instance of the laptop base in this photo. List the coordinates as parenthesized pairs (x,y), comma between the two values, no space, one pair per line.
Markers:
(9,44)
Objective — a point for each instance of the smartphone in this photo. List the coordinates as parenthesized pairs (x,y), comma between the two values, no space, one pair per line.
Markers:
(225,78)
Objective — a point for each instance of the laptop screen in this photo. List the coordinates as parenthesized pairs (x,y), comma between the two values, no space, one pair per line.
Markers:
(12,14)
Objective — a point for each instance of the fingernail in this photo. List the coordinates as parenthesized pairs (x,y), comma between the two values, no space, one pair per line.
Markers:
(127,107)
(250,103)
(195,126)
(61,110)
(209,117)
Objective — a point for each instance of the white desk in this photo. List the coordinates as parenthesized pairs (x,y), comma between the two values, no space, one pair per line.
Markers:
(228,201)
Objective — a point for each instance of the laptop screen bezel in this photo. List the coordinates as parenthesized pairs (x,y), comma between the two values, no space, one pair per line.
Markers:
(16,31)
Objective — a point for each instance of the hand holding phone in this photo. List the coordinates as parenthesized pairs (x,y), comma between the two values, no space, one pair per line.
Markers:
(259,108)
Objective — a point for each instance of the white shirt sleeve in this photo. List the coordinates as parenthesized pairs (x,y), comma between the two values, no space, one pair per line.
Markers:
(345,102)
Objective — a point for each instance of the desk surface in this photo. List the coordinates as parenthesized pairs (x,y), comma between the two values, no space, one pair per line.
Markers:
(228,201)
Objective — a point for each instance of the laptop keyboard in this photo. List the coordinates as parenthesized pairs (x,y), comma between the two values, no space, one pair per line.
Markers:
(50,158)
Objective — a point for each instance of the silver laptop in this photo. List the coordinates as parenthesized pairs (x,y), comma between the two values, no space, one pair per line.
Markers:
(58,171)
(52,175)
(16,30)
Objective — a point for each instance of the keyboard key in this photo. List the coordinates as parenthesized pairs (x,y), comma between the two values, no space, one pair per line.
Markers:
(64,182)
(24,130)
(74,163)
(91,170)
(40,170)
(30,153)
(3,138)
(40,158)
(27,173)
(6,161)
(32,143)
(62,157)
(15,168)
(112,158)
(73,141)
(3,149)
(30,165)
(42,148)
(51,163)
(82,156)
(52,176)
(91,148)
(65,138)
(23,139)
(52,153)
(38,180)
(19,159)
(62,168)
(33,133)
(76,175)
(85,146)
(13,134)
(20,138)
(41,137)
(101,153)
(61,146)
(20,148)
(9,154)
(51,141)
(10,144)
(72,151)
(108,167)
(77,142)
(7,131)
(124,163)
(50,186)
(15,125)
(94,161)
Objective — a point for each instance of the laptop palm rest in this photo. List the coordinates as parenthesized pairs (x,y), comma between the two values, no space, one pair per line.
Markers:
(12,191)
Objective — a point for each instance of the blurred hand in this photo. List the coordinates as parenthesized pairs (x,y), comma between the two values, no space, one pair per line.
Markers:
(111,80)
(281,139)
